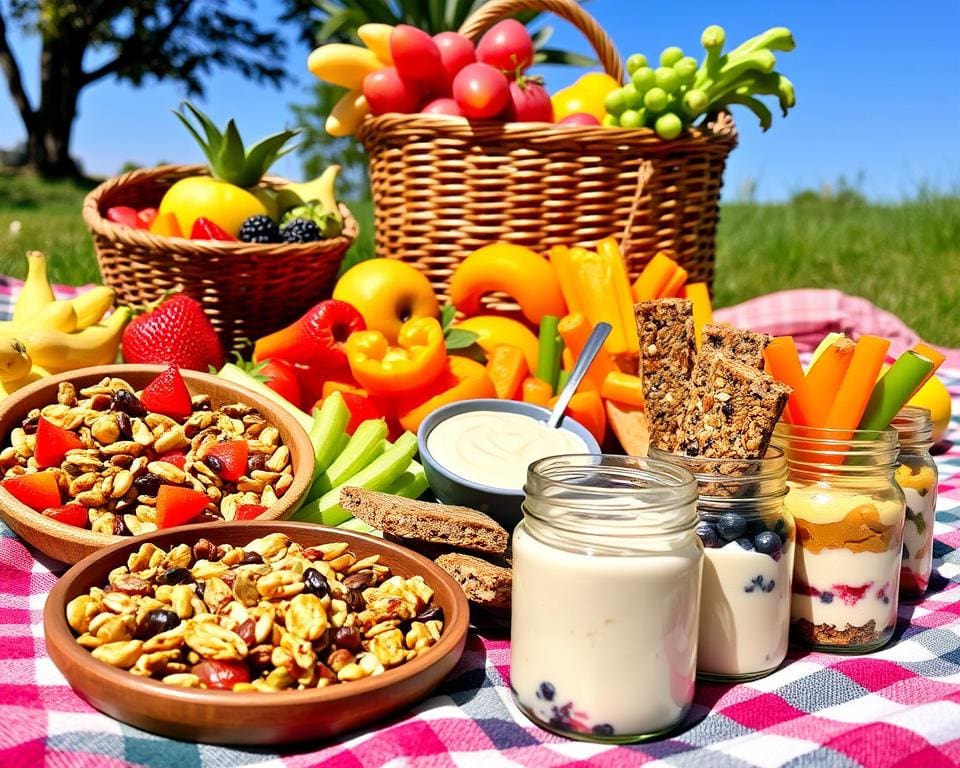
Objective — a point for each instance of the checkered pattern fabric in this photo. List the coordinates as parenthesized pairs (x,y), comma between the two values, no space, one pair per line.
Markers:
(897,707)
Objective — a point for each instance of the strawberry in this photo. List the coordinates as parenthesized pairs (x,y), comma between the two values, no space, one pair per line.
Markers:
(177,505)
(167,394)
(124,214)
(53,442)
(175,332)
(249,511)
(228,459)
(204,229)
(38,490)
(71,514)
(177,458)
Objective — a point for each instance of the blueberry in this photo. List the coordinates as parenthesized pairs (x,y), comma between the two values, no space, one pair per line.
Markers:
(745,543)
(731,526)
(708,535)
(603,729)
(315,583)
(768,543)
(546,692)
(826,597)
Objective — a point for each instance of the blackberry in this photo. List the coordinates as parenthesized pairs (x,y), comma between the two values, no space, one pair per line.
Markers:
(260,228)
(300,231)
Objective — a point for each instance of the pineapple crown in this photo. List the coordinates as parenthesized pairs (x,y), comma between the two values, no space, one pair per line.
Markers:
(228,159)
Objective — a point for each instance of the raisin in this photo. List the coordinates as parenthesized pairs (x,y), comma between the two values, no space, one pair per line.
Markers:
(120,525)
(214,463)
(252,558)
(257,461)
(434,613)
(29,426)
(727,409)
(128,403)
(360,580)
(203,549)
(315,583)
(347,637)
(155,622)
(245,631)
(148,484)
(354,600)
(177,576)
(125,426)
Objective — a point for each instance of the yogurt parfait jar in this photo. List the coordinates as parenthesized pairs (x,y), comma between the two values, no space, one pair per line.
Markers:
(849,514)
(606,597)
(917,477)
(749,541)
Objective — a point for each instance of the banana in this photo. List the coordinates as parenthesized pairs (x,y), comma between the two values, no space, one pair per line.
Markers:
(95,345)
(347,114)
(343,64)
(92,305)
(36,292)
(321,190)
(377,38)
(16,367)
(55,316)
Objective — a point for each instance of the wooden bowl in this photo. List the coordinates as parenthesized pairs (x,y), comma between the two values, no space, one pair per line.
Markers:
(68,543)
(225,717)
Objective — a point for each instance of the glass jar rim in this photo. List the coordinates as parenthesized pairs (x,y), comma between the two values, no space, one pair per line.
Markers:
(836,450)
(641,491)
(914,427)
(769,471)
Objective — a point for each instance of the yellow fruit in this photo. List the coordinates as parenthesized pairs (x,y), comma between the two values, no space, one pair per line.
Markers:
(387,292)
(586,95)
(347,114)
(377,38)
(343,64)
(492,330)
(226,205)
(36,292)
(935,398)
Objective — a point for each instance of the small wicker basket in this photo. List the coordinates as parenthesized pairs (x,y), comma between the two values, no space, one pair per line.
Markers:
(246,289)
(443,188)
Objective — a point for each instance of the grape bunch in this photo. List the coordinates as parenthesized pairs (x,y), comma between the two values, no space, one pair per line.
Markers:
(671,96)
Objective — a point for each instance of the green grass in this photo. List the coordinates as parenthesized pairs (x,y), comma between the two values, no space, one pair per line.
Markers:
(901,257)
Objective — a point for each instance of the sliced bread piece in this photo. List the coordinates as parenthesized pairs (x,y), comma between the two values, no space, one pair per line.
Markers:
(482,582)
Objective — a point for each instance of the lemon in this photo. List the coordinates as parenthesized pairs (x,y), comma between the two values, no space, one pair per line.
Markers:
(935,398)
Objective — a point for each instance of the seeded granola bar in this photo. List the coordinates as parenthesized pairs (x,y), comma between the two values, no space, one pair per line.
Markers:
(667,355)
(734,414)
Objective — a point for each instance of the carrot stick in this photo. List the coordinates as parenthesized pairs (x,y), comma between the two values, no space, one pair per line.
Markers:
(675,283)
(893,389)
(699,294)
(654,278)
(623,387)
(784,363)
(824,377)
(536,391)
(931,354)
(563,267)
(610,251)
(574,329)
(857,386)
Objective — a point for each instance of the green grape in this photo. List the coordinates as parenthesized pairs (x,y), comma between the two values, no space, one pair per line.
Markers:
(636,61)
(695,102)
(667,79)
(656,99)
(610,121)
(615,102)
(643,79)
(670,56)
(632,97)
(686,70)
(631,119)
(668,126)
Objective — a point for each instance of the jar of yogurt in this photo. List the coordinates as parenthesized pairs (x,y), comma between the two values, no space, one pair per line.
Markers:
(917,477)
(606,597)
(849,513)
(748,540)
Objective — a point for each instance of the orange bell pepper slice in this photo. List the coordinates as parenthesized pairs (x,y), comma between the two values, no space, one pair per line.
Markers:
(507,368)
(536,391)
(166,224)
(624,388)
(418,358)
(461,379)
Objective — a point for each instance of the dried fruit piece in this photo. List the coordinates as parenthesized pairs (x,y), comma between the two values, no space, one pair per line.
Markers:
(231,455)
(168,394)
(38,490)
(53,442)
(176,505)
(71,514)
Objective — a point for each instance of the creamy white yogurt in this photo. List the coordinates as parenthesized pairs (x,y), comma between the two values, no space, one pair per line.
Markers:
(495,448)
(918,538)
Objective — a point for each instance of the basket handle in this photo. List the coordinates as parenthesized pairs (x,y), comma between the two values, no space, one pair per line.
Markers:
(495,10)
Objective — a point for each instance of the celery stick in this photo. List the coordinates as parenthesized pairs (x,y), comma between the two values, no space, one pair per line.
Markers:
(365,445)
(376,476)
(551,349)
(327,431)
(237,375)
(411,484)
(356,524)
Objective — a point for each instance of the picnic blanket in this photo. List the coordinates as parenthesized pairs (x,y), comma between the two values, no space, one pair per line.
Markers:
(899,706)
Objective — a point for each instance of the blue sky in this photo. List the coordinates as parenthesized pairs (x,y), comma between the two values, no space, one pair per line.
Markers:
(878,100)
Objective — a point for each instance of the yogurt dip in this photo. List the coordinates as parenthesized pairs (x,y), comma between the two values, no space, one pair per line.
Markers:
(919,488)
(495,448)
(847,565)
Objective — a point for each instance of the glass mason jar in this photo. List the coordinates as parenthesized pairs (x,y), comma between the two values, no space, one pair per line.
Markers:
(849,513)
(917,476)
(606,597)
(748,540)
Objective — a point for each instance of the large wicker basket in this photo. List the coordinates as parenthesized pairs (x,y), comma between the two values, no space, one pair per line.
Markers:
(442,188)
(246,289)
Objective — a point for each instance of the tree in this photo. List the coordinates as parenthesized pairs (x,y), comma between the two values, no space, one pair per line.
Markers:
(327,21)
(133,40)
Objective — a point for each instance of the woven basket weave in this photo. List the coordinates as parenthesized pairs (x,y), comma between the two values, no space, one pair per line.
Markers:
(443,188)
(246,289)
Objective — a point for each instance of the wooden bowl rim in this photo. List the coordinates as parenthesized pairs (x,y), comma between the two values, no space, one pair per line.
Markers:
(58,633)
(20,512)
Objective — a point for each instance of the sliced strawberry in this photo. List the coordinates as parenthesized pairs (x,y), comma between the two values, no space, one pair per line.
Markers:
(204,229)
(176,458)
(38,490)
(167,394)
(176,505)
(53,442)
(230,459)
(71,514)
(124,214)
(249,511)
(147,216)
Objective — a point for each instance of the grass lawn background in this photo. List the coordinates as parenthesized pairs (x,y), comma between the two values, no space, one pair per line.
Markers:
(905,257)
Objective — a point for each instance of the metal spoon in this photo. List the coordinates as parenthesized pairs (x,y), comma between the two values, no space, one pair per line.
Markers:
(590,349)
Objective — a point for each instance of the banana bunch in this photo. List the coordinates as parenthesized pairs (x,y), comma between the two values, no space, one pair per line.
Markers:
(47,335)
(346,66)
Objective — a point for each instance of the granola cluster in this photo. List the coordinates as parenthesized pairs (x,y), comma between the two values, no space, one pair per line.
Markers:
(267,616)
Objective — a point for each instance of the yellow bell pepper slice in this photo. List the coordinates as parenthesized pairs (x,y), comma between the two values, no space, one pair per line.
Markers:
(419,357)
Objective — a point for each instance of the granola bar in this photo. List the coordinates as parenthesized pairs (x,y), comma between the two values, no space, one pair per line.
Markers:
(734,414)
(667,355)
